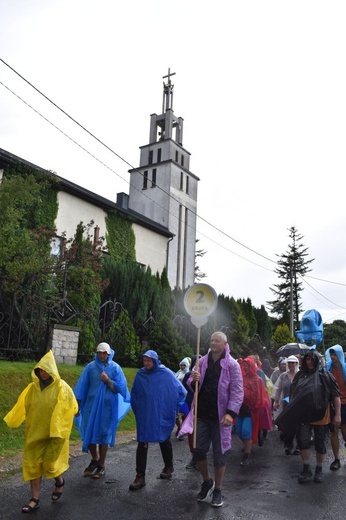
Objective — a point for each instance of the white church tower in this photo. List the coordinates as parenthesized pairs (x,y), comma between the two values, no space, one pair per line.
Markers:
(164,190)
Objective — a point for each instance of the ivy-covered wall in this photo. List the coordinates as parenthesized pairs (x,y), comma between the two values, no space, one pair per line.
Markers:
(120,237)
(44,210)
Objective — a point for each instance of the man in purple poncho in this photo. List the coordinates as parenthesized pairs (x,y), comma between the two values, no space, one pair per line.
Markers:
(220,395)
(156,396)
(103,399)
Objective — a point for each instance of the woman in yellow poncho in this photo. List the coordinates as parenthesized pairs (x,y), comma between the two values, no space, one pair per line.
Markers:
(47,405)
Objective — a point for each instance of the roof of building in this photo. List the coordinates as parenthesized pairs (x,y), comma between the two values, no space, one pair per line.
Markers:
(8,159)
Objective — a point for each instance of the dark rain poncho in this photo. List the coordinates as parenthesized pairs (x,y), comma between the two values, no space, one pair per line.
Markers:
(310,395)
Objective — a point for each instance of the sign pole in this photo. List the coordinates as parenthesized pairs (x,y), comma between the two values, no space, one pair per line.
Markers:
(196,389)
(200,301)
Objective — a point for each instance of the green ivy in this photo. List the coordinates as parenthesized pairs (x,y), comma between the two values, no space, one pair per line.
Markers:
(120,237)
(45,210)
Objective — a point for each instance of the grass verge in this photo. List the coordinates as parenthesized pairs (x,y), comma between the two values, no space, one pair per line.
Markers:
(15,376)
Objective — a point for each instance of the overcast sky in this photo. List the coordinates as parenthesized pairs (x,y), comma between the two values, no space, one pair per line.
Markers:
(261,86)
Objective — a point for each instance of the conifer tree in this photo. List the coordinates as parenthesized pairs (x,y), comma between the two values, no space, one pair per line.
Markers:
(291,266)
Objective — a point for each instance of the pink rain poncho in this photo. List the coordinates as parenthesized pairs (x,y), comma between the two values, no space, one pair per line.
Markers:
(48,413)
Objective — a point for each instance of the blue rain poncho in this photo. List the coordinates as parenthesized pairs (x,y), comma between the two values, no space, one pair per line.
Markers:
(156,396)
(100,406)
(339,351)
(48,413)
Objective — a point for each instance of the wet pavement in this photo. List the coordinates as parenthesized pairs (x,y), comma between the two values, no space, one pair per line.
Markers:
(265,490)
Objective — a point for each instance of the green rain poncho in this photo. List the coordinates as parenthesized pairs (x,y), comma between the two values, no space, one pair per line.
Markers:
(48,413)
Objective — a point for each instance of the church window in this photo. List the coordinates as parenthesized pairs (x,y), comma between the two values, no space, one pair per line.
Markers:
(176,156)
(159,155)
(145,180)
(150,157)
(181,181)
(187,184)
(182,160)
(153,179)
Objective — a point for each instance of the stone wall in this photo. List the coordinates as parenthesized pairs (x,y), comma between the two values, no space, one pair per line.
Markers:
(65,344)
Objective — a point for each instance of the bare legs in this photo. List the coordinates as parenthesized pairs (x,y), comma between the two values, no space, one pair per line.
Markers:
(202,465)
(99,456)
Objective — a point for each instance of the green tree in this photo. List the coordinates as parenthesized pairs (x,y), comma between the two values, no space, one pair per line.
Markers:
(140,292)
(334,334)
(199,253)
(264,326)
(80,271)
(24,234)
(291,267)
(167,342)
(124,341)
(249,314)
(281,336)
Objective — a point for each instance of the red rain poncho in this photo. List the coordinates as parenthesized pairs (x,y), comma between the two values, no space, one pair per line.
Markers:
(255,395)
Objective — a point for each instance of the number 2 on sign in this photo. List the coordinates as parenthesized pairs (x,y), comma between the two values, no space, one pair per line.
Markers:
(200,299)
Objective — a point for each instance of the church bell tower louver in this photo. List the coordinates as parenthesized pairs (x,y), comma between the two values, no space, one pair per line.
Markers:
(164,190)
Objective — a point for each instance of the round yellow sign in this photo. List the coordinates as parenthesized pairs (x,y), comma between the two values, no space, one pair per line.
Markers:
(200,301)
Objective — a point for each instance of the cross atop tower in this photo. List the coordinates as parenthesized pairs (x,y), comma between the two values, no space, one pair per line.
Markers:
(169,75)
(167,101)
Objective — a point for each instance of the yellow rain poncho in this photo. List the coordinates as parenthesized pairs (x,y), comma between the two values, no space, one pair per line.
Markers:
(48,412)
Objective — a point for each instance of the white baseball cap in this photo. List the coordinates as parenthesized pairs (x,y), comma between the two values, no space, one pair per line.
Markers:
(103,347)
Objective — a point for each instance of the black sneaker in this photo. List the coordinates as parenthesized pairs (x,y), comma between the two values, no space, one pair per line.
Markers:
(216,501)
(191,465)
(99,472)
(90,470)
(245,460)
(335,465)
(305,475)
(206,490)
(318,475)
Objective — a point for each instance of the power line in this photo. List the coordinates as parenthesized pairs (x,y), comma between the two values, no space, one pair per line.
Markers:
(136,169)
(129,164)
(122,178)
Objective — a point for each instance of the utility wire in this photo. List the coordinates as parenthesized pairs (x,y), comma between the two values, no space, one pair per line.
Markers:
(136,169)
(116,173)
(130,165)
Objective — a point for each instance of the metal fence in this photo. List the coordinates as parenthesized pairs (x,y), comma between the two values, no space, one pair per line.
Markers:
(26,327)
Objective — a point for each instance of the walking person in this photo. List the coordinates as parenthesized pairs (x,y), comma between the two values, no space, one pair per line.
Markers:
(47,405)
(220,395)
(247,424)
(156,396)
(282,392)
(335,363)
(184,368)
(313,389)
(188,401)
(103,399)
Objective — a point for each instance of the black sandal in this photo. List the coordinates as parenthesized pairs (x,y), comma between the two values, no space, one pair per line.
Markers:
(28,509)
(57,494)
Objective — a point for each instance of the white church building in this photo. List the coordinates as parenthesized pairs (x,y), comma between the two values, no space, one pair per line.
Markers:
(162,202)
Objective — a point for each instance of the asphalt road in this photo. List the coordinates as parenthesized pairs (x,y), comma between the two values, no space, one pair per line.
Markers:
(266,490)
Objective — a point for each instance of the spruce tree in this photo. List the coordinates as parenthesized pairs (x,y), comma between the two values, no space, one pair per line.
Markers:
(291,267)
